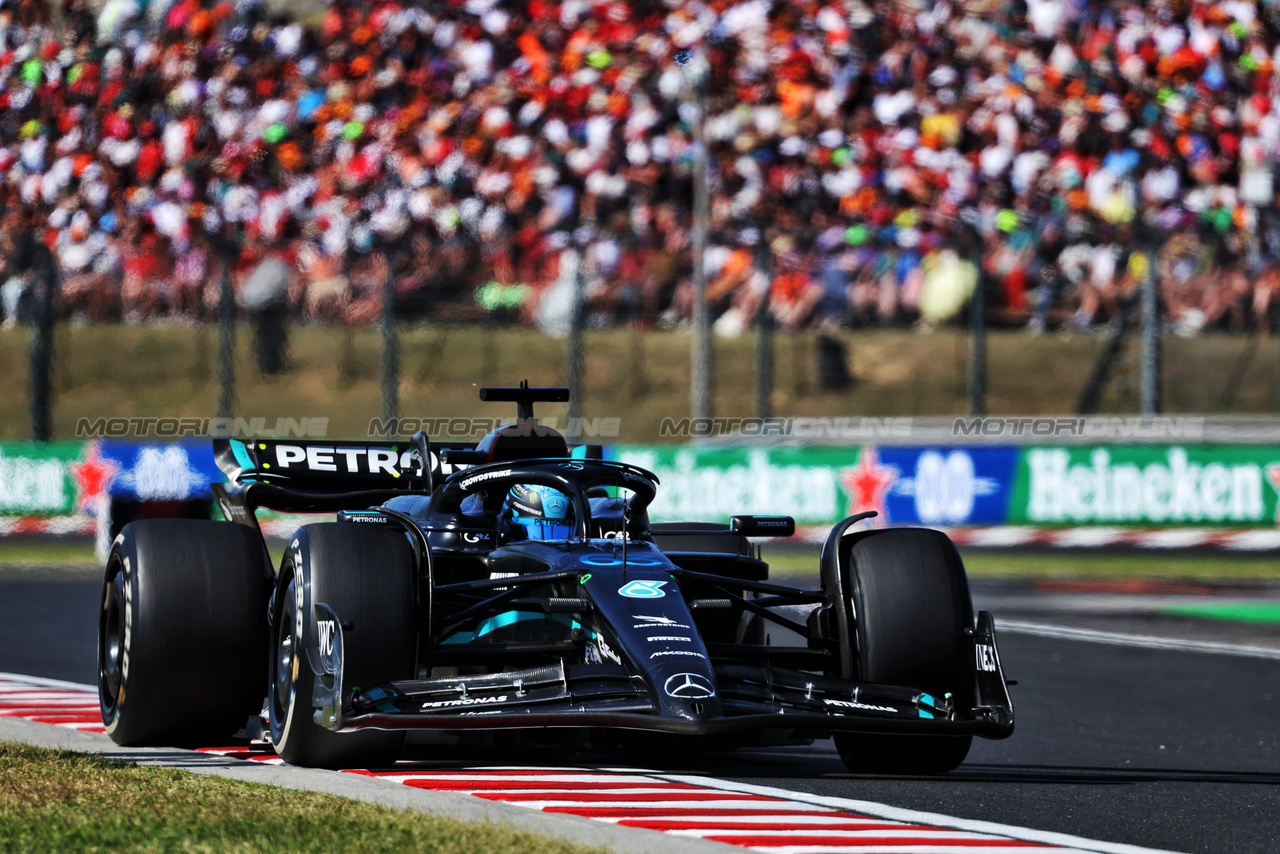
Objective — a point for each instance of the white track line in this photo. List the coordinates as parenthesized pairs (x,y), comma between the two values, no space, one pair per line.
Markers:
(1045,630)
(872,808)
(25,680)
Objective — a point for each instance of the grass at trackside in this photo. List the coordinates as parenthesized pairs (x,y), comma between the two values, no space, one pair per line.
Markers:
(641,378)
(1121,565)
(61,801)
(21,552)
(802,565)
(1266,613)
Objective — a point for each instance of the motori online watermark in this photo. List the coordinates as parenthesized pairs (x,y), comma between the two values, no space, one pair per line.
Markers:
(444,427)
(1188,427)
(845,427)
(180,427)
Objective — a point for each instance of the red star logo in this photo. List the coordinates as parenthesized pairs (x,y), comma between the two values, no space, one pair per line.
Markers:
(1273,475)
(92,477)
(867,484)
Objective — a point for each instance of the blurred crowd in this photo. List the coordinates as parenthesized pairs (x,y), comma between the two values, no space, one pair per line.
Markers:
(869,163)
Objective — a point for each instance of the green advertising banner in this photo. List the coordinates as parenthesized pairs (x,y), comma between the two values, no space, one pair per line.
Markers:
(713,484)
(39,479)
(1140,485)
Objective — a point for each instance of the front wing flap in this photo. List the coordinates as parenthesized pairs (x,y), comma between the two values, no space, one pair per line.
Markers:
(607,695)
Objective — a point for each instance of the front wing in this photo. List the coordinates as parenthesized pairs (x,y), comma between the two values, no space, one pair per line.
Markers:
(752,698)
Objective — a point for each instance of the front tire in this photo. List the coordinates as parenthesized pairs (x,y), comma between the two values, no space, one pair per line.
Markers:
(182,632)
(911,608)
(366,575)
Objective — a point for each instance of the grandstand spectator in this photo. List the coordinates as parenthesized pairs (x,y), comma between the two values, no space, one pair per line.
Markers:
(455,145)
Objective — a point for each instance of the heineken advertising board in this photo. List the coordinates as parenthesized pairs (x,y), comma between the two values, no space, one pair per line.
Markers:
(1233,485)
(38,479)
(69,478)
(1134,485)
(822,485)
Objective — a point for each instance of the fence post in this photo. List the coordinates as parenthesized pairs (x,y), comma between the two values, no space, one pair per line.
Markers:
(764,335)
(41,352)
(573,343)
(700,350)
(1150,335)
(390,347)
(226,332)
(978,343)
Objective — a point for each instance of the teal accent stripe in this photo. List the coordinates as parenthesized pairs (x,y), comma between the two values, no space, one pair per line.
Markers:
(243,459)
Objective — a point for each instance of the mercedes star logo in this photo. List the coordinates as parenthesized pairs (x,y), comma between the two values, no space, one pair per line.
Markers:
(689,686)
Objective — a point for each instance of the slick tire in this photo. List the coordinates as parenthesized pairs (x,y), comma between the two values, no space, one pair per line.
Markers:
(911,607)
(366,575)
(182,632)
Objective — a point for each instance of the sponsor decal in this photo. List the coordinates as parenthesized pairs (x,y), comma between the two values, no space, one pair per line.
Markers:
(606,560)
(468,482)
(676,652)
(376,518)
(656,638)
(128,623)
(640,589)
(328,458)
(854,704)
(657,623)
(985,656)
(616,535)
(600,652)
(299,591)
(327,628)
(465,701)
(689,686)
(571,466)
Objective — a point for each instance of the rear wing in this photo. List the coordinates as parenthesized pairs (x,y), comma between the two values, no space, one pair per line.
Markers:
(316,465)
(320,476)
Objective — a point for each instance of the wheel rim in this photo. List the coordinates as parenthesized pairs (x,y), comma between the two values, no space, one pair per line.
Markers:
(111,645)
(282,660)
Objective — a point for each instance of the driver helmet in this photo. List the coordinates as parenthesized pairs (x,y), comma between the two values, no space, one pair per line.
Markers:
(536,512)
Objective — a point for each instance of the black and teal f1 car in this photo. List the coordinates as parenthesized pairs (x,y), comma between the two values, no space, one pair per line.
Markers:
(422,608)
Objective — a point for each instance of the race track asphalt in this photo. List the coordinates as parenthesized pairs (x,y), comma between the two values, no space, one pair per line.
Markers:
(1160,748)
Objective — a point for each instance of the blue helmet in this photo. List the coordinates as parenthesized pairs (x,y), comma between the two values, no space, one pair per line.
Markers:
(538,513)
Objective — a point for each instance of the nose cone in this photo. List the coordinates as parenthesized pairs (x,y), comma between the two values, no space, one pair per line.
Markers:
(691,695)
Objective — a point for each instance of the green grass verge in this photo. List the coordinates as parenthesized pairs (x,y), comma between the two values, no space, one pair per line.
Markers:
(20,551)
(641,378)
(1266,613)
(61,801)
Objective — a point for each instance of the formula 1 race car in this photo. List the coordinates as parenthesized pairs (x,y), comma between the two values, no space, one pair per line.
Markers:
(519,584)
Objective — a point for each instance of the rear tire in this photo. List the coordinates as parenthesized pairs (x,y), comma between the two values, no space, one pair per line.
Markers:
(182,632)
(911,608)
(366,575)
